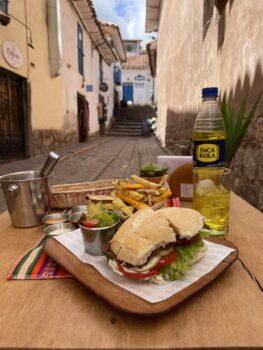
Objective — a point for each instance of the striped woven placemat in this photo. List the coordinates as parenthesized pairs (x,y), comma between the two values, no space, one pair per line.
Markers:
(34,264)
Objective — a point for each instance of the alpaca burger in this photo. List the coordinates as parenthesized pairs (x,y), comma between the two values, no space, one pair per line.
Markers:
(157,245)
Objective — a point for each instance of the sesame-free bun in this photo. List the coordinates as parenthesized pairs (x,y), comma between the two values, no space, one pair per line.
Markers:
(140,235)
(186,222)
(147,230)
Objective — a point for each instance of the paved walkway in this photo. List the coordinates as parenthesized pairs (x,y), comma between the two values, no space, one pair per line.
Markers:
(102,157)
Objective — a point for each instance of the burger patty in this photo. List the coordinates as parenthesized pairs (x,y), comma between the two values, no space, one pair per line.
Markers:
(106,249)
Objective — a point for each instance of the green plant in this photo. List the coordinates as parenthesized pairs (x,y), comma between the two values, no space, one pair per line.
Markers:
(152,169)
(236,125)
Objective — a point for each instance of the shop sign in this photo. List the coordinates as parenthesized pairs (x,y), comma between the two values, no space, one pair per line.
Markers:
(89,88)
(103,87)
(12,54)
(139,77)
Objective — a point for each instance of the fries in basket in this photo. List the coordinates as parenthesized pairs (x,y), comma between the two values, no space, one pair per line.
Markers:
(133,194)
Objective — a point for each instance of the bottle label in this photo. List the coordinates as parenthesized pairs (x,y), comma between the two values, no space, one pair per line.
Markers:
(209,153)
(186,191)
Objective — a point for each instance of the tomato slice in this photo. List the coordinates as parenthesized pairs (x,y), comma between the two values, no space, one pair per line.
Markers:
(90,223)
(166,260)
(138,276)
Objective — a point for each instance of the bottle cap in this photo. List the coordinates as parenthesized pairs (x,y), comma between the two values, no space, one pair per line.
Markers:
(210,92)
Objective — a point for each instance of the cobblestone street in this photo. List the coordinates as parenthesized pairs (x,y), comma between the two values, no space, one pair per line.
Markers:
(101,158)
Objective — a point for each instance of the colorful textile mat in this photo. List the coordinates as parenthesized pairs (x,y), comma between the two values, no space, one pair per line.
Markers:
(36,265)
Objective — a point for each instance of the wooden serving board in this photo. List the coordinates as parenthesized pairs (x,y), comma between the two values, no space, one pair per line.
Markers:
(121,298)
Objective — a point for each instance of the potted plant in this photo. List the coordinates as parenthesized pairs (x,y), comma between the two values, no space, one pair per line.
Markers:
(153,172)
(236,125)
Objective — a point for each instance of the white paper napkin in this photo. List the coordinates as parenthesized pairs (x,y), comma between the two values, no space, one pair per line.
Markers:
(153,293)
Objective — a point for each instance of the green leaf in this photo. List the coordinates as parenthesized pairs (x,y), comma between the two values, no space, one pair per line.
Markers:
(236,126)
(152,169)
(241,114)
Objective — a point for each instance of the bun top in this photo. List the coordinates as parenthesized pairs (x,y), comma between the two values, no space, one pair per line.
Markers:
(148,230)
(186,222)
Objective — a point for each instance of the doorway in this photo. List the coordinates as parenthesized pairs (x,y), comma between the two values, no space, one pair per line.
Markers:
(127,91)
(13,116)
(83,118)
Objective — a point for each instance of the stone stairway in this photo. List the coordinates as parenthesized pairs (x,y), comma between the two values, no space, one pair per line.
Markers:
(131,121)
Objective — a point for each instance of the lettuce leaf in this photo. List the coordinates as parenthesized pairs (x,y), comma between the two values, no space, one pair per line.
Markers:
(184,261)
(106,219)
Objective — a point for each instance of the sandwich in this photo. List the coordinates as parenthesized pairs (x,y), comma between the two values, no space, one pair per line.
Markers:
(157,245)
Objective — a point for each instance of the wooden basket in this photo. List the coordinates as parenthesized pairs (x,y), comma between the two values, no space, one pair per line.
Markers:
(70,195)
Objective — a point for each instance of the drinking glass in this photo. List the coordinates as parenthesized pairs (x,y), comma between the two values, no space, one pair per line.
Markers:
(211,198)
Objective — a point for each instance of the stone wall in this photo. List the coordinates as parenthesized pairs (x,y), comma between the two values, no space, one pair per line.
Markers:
(49,140)
(201,44)
(248,166)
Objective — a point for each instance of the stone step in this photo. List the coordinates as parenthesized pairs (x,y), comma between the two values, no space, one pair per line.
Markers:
(127,121)
(129,127)
(141,112)
(123,133)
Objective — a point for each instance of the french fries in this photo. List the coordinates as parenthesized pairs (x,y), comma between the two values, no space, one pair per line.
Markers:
(140,193)
(132,194)
(119,204)
(136,204)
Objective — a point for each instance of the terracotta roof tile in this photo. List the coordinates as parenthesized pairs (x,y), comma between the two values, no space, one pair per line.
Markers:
(136,62)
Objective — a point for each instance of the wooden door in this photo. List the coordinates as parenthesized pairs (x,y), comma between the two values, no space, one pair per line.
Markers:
(83,118)
(12,116)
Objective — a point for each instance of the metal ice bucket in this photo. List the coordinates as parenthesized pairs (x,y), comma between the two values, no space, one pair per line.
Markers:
(27,197)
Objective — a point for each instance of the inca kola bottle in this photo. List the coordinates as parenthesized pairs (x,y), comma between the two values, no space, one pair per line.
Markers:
(208,138)
(209,133)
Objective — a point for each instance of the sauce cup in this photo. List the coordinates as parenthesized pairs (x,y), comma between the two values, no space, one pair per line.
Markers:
(93,238)
(55,218)
(79,208)
(59,229)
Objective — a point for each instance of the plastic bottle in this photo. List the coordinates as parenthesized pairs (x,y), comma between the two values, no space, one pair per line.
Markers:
(211,199)
(209,133)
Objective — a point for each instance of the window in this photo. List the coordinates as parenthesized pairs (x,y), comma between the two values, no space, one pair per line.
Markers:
(4,5)
(131,47)
(117,75)
(101,69)
(80,50)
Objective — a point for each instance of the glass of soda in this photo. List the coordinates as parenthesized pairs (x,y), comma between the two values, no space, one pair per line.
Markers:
(211,198)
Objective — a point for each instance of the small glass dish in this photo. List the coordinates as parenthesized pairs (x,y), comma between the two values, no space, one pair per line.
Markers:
(55,218)
(59,229)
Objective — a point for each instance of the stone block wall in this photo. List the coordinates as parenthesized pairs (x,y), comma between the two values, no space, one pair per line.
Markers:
(201,44)
(48,140)
(247,165)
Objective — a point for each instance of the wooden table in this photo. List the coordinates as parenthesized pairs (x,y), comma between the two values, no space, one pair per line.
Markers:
(64,314)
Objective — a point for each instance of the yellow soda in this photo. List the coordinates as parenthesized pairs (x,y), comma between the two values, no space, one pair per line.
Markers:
(211,198)
(212,201)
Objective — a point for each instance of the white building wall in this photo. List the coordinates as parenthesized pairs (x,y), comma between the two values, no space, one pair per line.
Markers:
(142,89)
(74,82)
(108,78)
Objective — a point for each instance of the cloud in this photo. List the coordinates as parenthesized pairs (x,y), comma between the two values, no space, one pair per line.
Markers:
(128,14)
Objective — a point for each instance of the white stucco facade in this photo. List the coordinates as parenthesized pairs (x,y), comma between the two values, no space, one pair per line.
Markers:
(142,83)
(74,83)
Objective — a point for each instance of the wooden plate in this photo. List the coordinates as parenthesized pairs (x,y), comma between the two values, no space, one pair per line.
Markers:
(121,298)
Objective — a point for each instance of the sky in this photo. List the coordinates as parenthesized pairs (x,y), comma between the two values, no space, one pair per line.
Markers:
(128,14)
